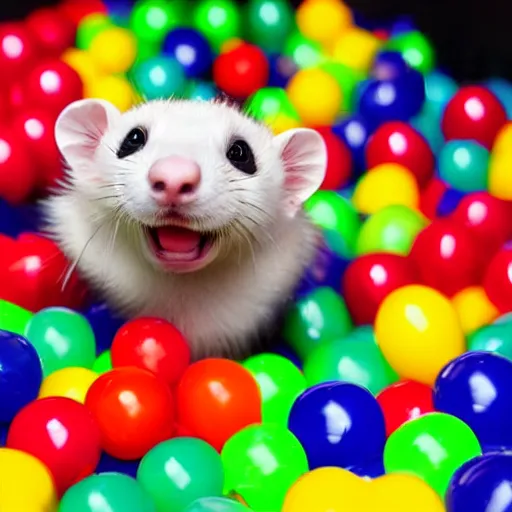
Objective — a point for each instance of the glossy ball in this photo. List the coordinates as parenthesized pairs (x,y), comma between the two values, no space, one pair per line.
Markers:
(114,50)
(354,131)
(415,49)
(159,78)
(404,401)
(440,89)
(114,491)
(77,10)
(103,363)
(114,89)
(18,51)
(20,372)
(268,102)
(495,338)
(151,20)
(241,71)
(262,482)
(304,52)
(418,332)
(474,308)
(473,113)
(431,447)
(338,424)
(356,48)
(498,279)
(70,383)
(399,143)
(62,434)
(202,91)
(134,410)
(197,473)
(152,344)
(217,20)
(225,390)
(104,323)
(339,162)
(500,183)
(13,318)
(89,27)
(214,504)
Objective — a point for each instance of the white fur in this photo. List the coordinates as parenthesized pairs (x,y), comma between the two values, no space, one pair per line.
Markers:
(97,218)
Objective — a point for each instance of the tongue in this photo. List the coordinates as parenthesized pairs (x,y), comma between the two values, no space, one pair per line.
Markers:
(178,240)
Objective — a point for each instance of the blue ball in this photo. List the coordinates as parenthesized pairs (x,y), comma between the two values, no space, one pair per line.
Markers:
(191,49)
(109,464)
(119,11)
(449,202)
(372,469)
(20,374)
(104,324)
(482,484)
(388,65)
(475,387)
(338,424)
(281,69)
(354,131)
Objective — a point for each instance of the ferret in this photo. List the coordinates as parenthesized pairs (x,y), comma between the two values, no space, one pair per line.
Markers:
(191,211)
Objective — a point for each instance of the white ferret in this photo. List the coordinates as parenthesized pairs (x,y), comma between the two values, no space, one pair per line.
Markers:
(187,210)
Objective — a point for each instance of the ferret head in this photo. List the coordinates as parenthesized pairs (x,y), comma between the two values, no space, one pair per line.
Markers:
(193,178)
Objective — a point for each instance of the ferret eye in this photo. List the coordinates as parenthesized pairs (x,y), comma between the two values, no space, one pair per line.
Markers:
(133,142)
(241,157)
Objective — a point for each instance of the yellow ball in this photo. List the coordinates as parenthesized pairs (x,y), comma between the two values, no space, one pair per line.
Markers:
(356,48)
(114,50)
(500,174)
(25,483)
(115,89)
(503,140)
(82,62)
(385,185)
(323,20)
(281,122)
(418,331)
(68,382)
(315,95)
(474,308)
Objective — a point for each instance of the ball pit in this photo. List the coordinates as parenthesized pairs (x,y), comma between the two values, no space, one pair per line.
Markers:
(390,387)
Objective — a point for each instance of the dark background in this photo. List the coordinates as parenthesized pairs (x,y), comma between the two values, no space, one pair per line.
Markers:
(473,38)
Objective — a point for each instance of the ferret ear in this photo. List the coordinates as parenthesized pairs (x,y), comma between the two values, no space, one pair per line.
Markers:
(80,127)
(304,158)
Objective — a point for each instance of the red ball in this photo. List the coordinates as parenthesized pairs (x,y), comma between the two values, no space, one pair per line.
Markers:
(18,51)
(52,85)
(431,196)
(36,128)
(241,71)
(473,113)
(76,10)
(498,280)
(16,98)
(397,142)
(369,279)
(52,30)
(404,401)
(17,169)
(217,398)
(447,257)
(487,218)
(152,344)
(339,161)
(61,433)
(134,410)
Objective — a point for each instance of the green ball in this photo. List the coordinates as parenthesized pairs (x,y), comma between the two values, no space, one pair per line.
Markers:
(159,78)
(217,20)
(89,28)
(261,462)
(464,165)
(179,471)
(496,338)
(392,229)
(103,363)
(152,20)
(416,50)
(431,447)
(280,383)
(106,492)
(269,22)
(62,338)
(337,216)
(316,319)
(266,103)
(350,360)
(347,79)
(14,318)
(216,505)
(303,51)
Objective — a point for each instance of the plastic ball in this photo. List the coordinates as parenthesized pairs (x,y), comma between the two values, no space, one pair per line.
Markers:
(114,492)
(77,10)
(72,382)
(217,20)
(498,279)
(13,318)
(114,89)
(103,363)
(354,132)
(151,20)
(499,182)
(388,64)
(225,390)
(18,51)
(474,309)
(415,49)
(399,143)
(159,78)
(440,88)
(495,338)
(114,50)
(82,62)
(404,401)
(134,410)
(356,48)
(502,89)
(281,69)
(214,504)
(20,372)
(202,91)
(304,52)
(266,103)
(473,113)
(109,464)
(338,424)
(25,483)
(316,319)
(89,27)
(369,279)
(62,434)
(262,482)
(104,324)
(241,71)
(427,122)
(418,332)
(392,229)
(197,473)
(339,162)
(315,83)
(386,185)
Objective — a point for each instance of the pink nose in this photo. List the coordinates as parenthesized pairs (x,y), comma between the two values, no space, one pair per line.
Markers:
(174,180)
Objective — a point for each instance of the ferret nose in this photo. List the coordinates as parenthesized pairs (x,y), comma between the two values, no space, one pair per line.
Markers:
(174,180)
